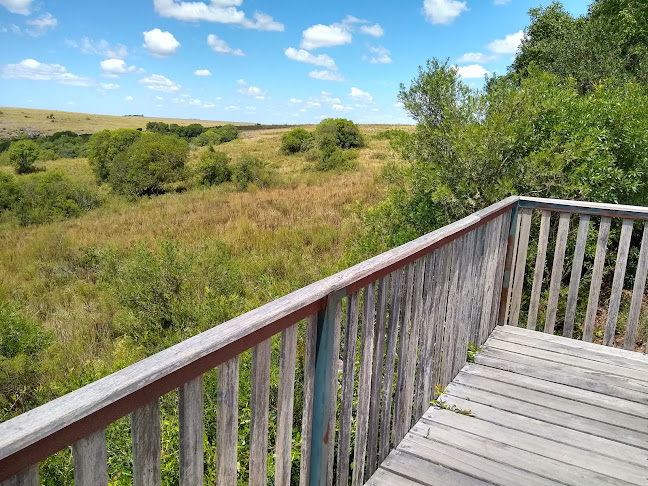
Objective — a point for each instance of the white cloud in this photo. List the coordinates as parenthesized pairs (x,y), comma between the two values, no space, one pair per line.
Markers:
(17,6)
(326,75)
(325,36)
(208,105)
(232,108)
(302,55)
(501,2)
(374,30)
(471,71)
(326,97)
(33,70)
(42,24)
(220,46)
(113,68)
(251,91)
(160,43)
(508,45)
(361,96)
(295,100)
(109,86)
(157,82)
(195,102)
(219,11)
(100,48)
(443,11)
(477,57)
(313,104)
(381,55)
(128,98)
(338,107)
(202,72)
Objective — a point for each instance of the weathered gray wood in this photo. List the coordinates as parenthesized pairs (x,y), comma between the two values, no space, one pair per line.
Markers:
(597,275)
(453,317)
(399,429)
(520,265)
(576,272)
(310,349)
(439,306)
(637,292)
(490,263)
(91,460)
(259,403)
(469,285)
(285,401)
(346,403)
(556,272)
(28,477)
(498,307)
(390,359)
(376,376)
(364,383)
(621,210)
(509,285)
(227,422)
(145,432)
(191,430)
(476,287)
(333,385)
(617,283)
(543,238)
(383,477)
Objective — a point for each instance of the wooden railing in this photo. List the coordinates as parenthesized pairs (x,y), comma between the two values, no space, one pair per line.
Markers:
(407,317)
(550,300)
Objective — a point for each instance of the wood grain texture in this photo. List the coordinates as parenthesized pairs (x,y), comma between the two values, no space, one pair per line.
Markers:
(333,386)
(346,402)
(452,320)
(440,303)
(576,272)
(637,292)
(466,302)
(591,208)
(512,241)
(520,266)
(91,460)
(364,383)
(538,275)
(310,348)
(556,272)
(617,282)
(499,306)
(28,477)
(227,422)
(259,402)
(145,432)
(191,411)
(597,276)
(492,285)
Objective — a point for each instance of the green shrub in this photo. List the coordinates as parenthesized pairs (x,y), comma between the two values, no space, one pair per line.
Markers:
(218,135)
(214,167)
(47,154)
(22,155)
(10,192)
(338,131)
(51,197)
(19,335)
(250,170)
(149,164)
(296,140)
(333,157)
(389,134)
(228,133)
(104,146)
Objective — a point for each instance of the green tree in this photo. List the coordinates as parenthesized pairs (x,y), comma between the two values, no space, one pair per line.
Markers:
(214,167)
(340,132)
(250,170)
(10,192)
(105,146)
(22,155)
(296,140)
(148,165)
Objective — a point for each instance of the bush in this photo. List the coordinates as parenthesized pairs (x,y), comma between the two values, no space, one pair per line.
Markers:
(214,167)
(228,133)
(104,146)
(47,154)
(218,135)
(296,140)
(51,197)
(22,155)
(250,170)
(10,192)
(151,162)
(333,157)
(338,131)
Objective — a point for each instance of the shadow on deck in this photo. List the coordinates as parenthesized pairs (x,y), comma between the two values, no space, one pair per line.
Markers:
(534,409)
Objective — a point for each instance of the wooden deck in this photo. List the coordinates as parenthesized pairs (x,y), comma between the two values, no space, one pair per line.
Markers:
(543,410)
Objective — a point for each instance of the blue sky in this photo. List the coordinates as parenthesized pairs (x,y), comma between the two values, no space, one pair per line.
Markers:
(246,60)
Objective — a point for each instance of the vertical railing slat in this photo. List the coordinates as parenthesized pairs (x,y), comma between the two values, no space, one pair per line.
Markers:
(440,305)
(637,292)
(259,402)
(513,238)
(91,460)
(452,317)
(466,301)
(538,275)
(490,266)
(556,272)
(191,430)
(364,383)
(227,422)
(346,402)
(285,402)
(597,276)
(617,282)
(333,384)
(576,272)
(520,266)
(376,380)
(426,348)
(479,281)
(500,290)
(310,349)
(390,361)
(145,425)
(28,477)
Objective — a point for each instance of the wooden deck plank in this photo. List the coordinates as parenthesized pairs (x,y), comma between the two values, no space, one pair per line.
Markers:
(533,409)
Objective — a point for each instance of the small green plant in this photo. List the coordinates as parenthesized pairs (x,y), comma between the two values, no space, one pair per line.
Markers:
(333,157)
(22,155)
(214,167)
(471,352)
(250,170)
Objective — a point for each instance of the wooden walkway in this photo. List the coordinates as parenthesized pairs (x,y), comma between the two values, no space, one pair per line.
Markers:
(543,410)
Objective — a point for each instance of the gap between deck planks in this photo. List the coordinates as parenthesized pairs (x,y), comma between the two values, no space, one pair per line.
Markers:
(543,410)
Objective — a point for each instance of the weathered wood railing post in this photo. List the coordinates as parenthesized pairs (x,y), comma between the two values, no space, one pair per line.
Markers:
(323,437)
(510,254)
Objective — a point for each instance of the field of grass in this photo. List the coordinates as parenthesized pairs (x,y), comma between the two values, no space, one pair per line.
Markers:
(17,121)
